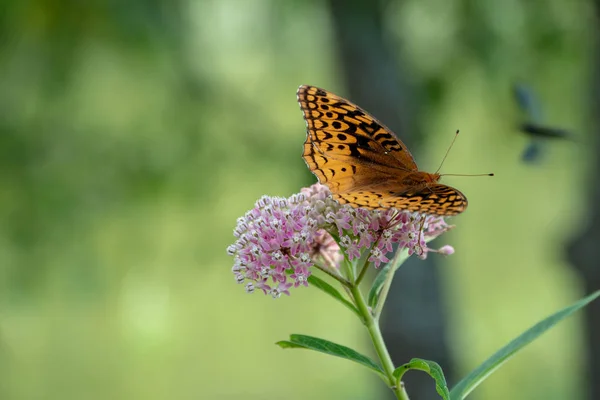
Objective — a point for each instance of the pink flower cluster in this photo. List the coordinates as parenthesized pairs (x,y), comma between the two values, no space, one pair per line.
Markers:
(280,239)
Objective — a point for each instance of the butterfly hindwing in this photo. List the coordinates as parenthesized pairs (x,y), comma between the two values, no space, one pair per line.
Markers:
(434,199)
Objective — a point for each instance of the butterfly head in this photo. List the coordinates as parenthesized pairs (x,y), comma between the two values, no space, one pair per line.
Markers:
(420,178)
(431,178)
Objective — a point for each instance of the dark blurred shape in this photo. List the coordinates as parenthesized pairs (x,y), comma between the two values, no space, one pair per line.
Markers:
(527,102)
(532,127)
(545,131)
(583,251)
(414,323)
(539,134)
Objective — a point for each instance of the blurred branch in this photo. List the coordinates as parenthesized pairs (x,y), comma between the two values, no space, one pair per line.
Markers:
(583,251)
(415,325)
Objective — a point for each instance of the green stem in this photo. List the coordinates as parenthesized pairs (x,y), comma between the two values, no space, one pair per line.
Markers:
(403,390)
(362,272)
(366,264)
(384,356)
(399,258)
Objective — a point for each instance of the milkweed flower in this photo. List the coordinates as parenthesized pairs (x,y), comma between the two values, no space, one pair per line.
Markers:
(281,239)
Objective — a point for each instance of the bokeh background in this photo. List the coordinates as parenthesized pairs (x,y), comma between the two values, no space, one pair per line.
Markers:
(133,134)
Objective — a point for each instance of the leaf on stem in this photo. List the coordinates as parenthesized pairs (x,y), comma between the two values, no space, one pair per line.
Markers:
(479,374)
(430,367)
(327,347)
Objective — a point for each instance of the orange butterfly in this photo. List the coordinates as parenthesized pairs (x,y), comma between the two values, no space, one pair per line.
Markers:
(363,163)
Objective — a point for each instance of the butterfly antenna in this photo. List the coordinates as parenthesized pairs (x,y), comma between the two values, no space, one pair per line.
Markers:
(446,155)
(490,174)
(447,151)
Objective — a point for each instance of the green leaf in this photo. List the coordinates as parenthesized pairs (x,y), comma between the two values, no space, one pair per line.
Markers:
(333,292)
(327,347)
(432,368)
(479,374)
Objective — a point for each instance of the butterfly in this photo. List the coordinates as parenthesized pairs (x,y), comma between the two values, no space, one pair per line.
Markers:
(363,163)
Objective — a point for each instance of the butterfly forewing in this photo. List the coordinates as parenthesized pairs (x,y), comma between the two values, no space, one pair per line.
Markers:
(333,120)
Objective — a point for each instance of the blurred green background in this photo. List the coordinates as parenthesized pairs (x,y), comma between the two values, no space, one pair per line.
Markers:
(133,134)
